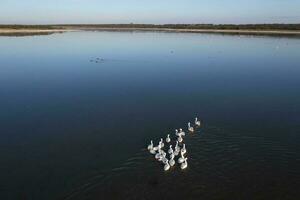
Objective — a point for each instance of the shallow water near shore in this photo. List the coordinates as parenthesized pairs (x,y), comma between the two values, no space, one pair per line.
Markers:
(78,110)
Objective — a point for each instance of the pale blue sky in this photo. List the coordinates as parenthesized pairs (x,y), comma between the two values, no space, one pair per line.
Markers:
(149,11)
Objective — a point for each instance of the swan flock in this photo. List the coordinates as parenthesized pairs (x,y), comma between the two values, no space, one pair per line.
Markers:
(168,157)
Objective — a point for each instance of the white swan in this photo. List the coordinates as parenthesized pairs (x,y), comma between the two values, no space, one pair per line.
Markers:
(170,151)
(163,153)
(167,166)
(176,132)
(176,152)
(168,139)
(162,156)
(158,155)
(172,162)
(179,139)
(164,160)
(177,149)
(172,156)
(181,132)
(183,150)
(197,122)
(191,129)
(161,143)
(181,158)
(150,146)
(176,146)
(184,164)
(156,148)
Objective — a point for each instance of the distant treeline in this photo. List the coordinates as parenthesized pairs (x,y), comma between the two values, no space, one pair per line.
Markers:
(14,26)
(25,34)
(196,26)
(169,26)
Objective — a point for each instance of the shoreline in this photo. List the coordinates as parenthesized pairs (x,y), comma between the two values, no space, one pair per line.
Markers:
(219,31)
(6,30)
(225,31)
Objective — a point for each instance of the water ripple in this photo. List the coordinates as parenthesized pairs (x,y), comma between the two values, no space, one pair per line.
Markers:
(221,163)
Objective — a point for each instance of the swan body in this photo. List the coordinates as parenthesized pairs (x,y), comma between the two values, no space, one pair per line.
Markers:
(150,146)
(168,139)
(170,151)
(167,166)
(180,139)
(176,132)
(184,164)
(158,155)
(152,151)
(197,122)
(181,158)
(177,149)
(191,129)
(161,143)
(176,153)
(172,162)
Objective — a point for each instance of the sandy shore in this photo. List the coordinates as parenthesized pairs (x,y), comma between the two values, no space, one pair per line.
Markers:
(68,29)
(254,32)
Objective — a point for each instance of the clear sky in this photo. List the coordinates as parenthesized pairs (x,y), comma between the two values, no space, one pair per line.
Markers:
(149,11)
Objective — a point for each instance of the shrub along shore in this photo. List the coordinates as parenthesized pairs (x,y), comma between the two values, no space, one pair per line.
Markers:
(264,29)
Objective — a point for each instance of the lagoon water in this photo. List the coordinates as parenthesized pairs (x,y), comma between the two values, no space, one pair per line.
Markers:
(72,128)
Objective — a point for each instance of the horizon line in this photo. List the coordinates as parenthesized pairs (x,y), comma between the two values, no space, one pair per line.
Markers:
(22,24)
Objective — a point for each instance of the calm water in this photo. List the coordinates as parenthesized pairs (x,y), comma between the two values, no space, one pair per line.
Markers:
(75,129)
